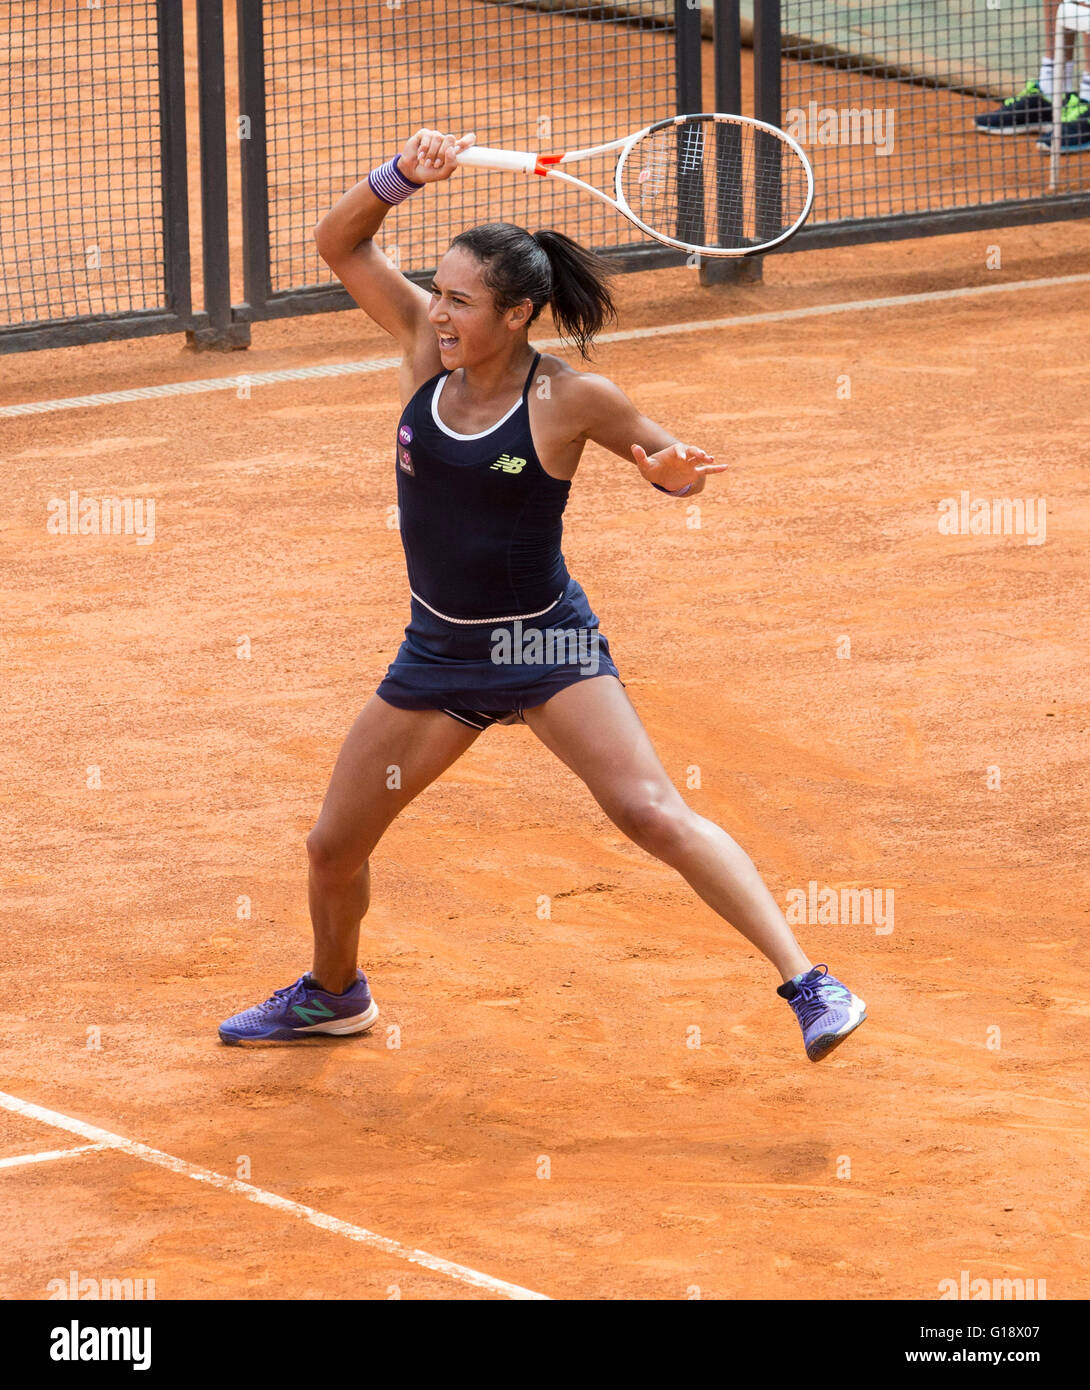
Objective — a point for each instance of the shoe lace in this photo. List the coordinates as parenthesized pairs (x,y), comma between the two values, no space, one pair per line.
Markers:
(289,993)
(811,1001)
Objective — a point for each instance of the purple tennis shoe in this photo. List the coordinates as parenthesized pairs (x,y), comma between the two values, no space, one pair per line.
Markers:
(827,1010)
(301,1010)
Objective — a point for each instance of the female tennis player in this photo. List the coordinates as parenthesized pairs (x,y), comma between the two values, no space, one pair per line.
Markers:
(487,446)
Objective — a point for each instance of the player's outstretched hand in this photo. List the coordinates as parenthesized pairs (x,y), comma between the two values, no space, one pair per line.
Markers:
(677,466)
(429,155)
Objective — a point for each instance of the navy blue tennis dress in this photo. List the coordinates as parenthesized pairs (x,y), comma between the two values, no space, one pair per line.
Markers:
(497,624)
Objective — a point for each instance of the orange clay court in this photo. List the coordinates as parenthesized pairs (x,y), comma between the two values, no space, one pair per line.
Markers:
(531,1110)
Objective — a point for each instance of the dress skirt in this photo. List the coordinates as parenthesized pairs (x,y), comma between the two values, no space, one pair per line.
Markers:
(498,666)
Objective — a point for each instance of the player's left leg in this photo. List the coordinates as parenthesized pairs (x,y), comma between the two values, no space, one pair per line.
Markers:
(594,729)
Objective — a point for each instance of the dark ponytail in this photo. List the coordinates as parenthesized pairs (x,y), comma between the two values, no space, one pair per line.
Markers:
(546,268)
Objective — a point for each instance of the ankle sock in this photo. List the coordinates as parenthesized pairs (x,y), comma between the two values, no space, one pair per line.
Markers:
(1045,77)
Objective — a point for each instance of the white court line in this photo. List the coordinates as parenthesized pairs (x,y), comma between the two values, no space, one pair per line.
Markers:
(107,1140)
(382,364)
(49,1155)
(215,383)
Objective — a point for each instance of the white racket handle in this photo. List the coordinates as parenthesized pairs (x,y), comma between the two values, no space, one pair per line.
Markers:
(481,157)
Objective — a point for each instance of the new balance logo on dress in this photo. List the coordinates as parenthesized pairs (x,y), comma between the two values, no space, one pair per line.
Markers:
(509,464)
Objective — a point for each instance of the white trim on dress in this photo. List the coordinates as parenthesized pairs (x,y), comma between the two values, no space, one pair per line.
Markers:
(509,618)
(454,433)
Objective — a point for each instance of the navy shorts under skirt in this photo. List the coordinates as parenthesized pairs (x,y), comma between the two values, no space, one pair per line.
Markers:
(487,673)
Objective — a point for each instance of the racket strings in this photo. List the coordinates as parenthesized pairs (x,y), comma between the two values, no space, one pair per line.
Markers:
(715,183)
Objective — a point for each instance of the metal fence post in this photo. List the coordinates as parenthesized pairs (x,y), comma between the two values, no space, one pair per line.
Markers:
(178,290)
(767,62)
(688,76)
(727,38)
(257,281)
(216,255)
(767,103)
(689,99)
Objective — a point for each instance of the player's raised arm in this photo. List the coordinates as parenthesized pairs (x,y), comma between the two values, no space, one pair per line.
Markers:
(613,421)
(345,235)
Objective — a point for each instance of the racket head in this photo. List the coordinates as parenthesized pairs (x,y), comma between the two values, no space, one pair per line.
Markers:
(716,184)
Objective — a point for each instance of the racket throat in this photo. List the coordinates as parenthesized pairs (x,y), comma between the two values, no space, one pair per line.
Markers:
(545,162)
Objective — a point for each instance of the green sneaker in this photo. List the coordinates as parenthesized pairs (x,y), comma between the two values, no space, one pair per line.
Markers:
(1074,126)
(1026,114)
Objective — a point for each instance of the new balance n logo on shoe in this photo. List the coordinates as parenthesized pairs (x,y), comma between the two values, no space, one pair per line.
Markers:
(310,1012)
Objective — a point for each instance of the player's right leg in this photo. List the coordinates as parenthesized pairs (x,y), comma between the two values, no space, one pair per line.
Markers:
(388,758)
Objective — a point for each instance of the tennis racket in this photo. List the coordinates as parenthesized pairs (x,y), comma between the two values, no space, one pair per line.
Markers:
(719,185)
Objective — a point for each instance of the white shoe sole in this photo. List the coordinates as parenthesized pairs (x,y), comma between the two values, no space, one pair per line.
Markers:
(856,1016)
(340,1026)
(1014,130)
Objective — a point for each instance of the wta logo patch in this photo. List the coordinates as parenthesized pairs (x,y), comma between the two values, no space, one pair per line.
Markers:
(405,434)
(508,465)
